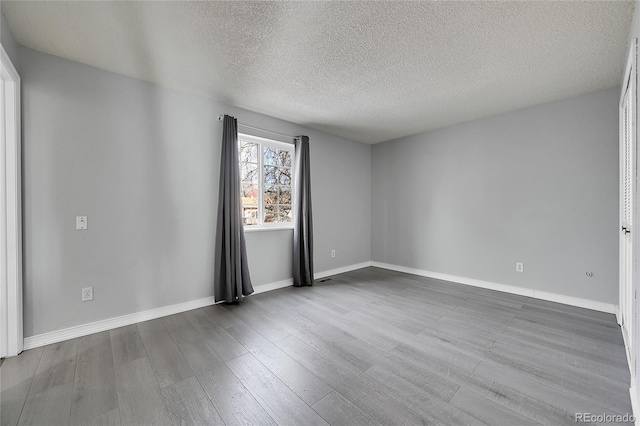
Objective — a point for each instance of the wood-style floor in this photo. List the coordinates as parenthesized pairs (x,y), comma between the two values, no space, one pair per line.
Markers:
(368,347)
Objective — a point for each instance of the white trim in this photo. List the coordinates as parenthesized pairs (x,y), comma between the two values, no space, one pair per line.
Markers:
(628,213)
(633,393)
(272,286)
(111,323)
(265,141)
(262,228)
(626,345)
(627,71)
(341,270)
(618,315)
(552,297)
(13,205)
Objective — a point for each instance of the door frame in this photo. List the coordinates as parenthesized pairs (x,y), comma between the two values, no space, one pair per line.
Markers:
(12,303)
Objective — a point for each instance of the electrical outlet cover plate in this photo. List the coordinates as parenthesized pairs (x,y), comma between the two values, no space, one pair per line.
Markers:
(87,294)
(81,222)
(519,267)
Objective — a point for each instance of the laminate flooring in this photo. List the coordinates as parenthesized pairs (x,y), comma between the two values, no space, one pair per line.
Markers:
(368,347)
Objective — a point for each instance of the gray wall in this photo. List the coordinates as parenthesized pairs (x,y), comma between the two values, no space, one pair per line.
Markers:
(8,42)
(634,32)
(142,163)
(539,185)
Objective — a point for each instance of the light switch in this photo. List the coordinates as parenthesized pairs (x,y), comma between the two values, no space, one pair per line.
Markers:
(81,222)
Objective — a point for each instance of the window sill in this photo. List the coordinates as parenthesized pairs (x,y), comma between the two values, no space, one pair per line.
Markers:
(268,228)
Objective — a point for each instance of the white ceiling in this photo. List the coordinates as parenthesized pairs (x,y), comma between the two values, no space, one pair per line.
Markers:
(367,71)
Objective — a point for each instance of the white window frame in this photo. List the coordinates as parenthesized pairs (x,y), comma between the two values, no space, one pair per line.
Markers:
(11,217)
(270,143)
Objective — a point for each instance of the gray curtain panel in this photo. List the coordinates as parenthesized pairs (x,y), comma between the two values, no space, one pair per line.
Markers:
(232,280)
(302,220)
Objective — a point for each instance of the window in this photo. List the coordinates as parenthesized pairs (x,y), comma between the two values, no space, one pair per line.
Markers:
(266,173)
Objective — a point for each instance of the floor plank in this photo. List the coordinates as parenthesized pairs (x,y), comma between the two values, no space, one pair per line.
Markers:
(221,315)
(57,366)
(94,390)
(487,387)
(370,335)
(330,369)
(282,404)
(345,347)
(300,380)
(139,396)
(126,344)
(488,411)
(386,409)
(217,337)
(538,389)
(168,363)
(110,418)
(425,404)
(423,378)
(48,407)
(338,410)
(181,330)
(188,404)
(230,397)
(16,375)
(579,382)
(594,363)
(258,322)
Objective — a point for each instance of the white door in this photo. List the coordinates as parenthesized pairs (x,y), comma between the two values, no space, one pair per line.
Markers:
(628,207)
(11,341)
(4,316)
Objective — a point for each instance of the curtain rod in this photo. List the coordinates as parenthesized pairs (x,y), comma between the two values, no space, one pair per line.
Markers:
(221,117)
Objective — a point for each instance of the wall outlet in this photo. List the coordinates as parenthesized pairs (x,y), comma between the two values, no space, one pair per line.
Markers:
(87,294)
(519,267)
(333,253)
(81,222)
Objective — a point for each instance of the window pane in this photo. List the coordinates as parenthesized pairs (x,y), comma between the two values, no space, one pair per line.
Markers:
(284,213)
(283,176)
(249,194)
(248,152)
(249,173)
(277,157)
(285,195)
(270,175)
(271,156)
(270,213)
(271,195)
(284,158)
(250,215)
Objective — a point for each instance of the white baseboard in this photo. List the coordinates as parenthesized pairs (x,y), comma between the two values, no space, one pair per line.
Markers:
(111,323)
(121,321)
(342,270)
(272,286)
(552,297)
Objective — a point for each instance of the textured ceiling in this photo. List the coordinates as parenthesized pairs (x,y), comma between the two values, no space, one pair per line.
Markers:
(367,71)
